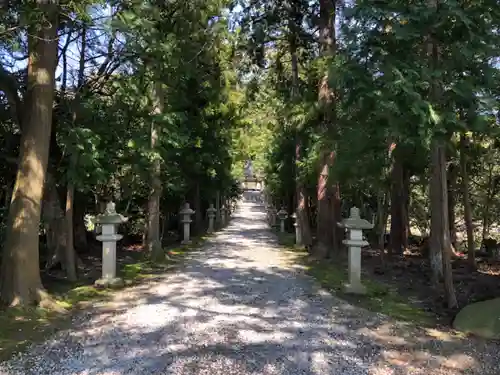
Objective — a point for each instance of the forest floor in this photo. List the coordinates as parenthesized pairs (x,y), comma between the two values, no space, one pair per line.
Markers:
(22,327)
(409,276)
(402,287)
(243,304)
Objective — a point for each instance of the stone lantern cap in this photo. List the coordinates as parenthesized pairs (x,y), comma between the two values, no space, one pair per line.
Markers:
(211,210)
(282,214)
(186,212)
(354,221)
(110,216)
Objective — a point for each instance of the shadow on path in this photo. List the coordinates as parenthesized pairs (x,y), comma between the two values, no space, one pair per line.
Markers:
(238,307)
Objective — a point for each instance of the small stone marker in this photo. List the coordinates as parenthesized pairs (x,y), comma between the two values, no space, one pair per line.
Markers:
(355,225)
(282,215)
(109,221)
(272,216)
(298,231)
(211,211)
(186,213)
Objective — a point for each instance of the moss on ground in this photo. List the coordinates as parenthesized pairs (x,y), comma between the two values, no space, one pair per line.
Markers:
(379,297)
(21,327)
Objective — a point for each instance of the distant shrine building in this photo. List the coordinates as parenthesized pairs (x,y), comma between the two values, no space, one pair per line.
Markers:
(250,180)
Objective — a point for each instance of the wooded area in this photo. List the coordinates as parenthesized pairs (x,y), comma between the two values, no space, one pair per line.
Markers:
(388,106)
(109,102)
(391,107)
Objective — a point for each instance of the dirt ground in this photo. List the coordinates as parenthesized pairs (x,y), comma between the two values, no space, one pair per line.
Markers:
(410,275)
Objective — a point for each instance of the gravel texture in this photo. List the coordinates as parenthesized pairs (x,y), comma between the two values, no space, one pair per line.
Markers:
(239,307)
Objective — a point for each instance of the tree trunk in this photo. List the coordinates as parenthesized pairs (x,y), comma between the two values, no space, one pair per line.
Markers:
(452,180)
(218,207)
(20,282)
(471,251)
(327,190)
(382,214)
(440,227)
(69,256)
(324,219)
(302,198)
(70,259)
(54,225)
(302,205)
(487,204)
(397,206)
(154,231)
(198,215)
(441,247)
(406,208)
(336,209)
(80,231)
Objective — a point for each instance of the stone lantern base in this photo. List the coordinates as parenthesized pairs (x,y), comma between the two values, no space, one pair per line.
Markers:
(354,289)
(114,283)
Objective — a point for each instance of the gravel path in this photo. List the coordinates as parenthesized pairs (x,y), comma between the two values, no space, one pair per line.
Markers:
(238,307)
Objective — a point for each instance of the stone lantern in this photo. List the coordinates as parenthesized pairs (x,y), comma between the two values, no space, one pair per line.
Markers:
(282,215)
(186,221)
(298,230)
(272,216)
(109,222)
(355,225)
(211,211)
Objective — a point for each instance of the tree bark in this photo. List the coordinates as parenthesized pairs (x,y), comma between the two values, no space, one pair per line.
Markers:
(69,256)
(80,231)
(487,203)
(20,282)
(452,180)
(471,251)
(218,217)
(406,207)
(440,227)
(302,198)
(397,205)
(154,231)
(325,226)
(441,247)
(382,214)
(302,206)
(54,225)
(198,215)
(328,192)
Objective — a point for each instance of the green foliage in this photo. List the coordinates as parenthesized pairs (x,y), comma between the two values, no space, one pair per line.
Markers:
(383,78)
